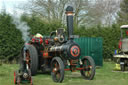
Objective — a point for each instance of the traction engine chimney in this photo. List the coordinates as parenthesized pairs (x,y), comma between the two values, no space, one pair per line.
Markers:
(69,14)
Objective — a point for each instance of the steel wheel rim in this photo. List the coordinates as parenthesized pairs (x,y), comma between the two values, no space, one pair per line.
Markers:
(56,70)
(14,77)
(87,68)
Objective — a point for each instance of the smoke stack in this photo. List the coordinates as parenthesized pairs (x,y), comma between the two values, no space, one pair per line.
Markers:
(69,13)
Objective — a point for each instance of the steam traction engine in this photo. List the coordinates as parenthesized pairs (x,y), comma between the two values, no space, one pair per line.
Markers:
(57,54)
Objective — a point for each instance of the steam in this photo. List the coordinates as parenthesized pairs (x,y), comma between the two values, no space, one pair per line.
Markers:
(22,26)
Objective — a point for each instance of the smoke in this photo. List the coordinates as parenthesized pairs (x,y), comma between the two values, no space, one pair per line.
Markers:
(22,26)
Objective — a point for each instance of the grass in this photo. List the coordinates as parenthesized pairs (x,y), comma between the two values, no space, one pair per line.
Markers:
(104,76)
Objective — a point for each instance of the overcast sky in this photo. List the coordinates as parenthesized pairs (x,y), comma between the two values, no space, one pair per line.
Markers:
(11,4)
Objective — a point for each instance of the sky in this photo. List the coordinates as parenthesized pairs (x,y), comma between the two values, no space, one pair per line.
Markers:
(11,4)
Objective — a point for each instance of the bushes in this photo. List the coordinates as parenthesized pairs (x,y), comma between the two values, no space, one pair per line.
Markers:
(38,25)
(10,38)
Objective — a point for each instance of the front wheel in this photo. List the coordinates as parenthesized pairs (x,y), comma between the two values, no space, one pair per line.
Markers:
(88,66)
(57,69)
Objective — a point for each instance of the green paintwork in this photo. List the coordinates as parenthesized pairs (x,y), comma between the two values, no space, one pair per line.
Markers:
(91,46)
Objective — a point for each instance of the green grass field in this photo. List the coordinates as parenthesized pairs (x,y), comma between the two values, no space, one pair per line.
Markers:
(104,76)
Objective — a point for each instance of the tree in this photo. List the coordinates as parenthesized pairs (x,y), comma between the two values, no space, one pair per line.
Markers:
(10,38)
(54,10)
(49,10)
(87,12)
(101,12)
(123,13)
(38,25)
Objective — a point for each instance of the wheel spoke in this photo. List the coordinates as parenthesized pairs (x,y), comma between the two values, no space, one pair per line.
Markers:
(58,75)
(57,72)
(85,62)
(55,64)
(57,69)
(88,73)
(87,68)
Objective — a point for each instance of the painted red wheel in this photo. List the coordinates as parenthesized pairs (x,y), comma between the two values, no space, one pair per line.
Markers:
(57,69)
(18,81)
(31,56)
(88,66)
(14,77)
(31,81)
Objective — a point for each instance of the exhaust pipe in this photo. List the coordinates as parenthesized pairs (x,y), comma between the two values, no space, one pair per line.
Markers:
(69,14)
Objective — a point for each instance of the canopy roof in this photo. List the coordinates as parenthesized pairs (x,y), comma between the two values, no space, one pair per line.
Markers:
(124,26)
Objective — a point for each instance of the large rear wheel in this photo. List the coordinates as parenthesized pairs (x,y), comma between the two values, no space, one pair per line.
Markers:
(88,66)
(30,57)
(57,69)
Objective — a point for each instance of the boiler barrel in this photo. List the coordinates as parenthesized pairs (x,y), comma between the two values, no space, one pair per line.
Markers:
(56,48)
(71,50)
